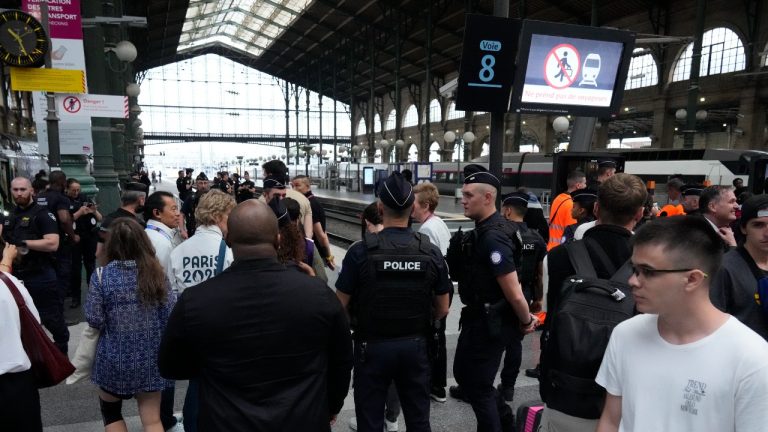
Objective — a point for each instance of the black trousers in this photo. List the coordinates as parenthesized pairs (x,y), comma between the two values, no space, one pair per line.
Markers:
(513,358)
(440,358)
(19,403)
(377,364)
(42,286)
(63,268)
(477,360)
(83,254)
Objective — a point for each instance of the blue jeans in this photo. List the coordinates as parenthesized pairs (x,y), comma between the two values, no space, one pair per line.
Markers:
(404,361)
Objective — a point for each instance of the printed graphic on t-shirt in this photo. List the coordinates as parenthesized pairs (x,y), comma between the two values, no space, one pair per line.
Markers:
(694,392)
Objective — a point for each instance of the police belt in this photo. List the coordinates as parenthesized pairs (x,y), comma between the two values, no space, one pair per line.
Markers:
(485,310)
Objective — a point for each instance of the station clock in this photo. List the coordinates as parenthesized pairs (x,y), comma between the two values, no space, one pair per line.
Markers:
(23,41)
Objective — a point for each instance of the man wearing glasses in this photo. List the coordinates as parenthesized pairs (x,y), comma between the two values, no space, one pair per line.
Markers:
(744,273)
(620,201)
(682,365)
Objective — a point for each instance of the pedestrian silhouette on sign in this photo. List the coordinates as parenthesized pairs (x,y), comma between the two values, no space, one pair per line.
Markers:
(563,66)
(71,104)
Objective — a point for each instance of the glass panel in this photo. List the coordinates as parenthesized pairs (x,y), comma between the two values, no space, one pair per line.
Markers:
(722,52)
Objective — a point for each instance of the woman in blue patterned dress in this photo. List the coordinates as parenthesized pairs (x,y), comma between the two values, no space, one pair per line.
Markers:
(129,302)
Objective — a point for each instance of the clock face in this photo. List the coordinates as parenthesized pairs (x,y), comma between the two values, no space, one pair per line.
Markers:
(23,41)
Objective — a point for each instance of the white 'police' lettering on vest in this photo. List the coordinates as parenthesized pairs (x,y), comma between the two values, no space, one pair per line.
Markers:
(398,266)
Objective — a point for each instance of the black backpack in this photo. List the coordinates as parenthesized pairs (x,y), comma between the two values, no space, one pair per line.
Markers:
(577,337)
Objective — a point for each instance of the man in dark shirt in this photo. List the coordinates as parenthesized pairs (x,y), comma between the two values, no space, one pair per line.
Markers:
(247,189)
(744,272)
(620,201)
(132,204)
(86,216)
(58,204)
(285,368)
(190,204)
(32,227)
(184,184)
(301,184)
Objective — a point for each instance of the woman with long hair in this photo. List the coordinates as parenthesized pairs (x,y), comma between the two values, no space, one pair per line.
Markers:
(129,301)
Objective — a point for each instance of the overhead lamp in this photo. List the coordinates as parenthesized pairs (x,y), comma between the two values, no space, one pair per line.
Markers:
(137,122)
(126,51)
(468,137)
(135,109)
(449,137)
(400,143)
(560,124)
(133,90)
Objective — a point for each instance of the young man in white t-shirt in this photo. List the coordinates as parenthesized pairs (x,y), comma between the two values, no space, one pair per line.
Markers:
(683,365)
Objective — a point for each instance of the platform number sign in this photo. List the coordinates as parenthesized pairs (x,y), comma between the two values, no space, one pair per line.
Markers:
(487,63)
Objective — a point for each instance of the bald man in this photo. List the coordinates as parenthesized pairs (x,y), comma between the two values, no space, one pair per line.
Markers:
(259,355)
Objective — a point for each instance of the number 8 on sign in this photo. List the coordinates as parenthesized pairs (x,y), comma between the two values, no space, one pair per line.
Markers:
(486,72)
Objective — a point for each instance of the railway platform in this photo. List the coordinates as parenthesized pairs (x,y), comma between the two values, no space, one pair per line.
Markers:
(449,207)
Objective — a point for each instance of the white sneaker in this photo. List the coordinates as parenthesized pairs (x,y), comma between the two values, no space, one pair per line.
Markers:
(390,426)
(353,423)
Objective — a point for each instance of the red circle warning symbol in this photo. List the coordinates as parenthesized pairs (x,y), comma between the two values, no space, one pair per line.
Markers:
(562,65)
(72,104)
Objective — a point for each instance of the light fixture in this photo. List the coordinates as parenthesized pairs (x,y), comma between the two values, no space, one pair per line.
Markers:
(400,143)
(449,137)
(702,99)
(561,124)
(701,115)
(681,114)
(133,90)
(126,51)
(137,122)
(135,109)
(468,137)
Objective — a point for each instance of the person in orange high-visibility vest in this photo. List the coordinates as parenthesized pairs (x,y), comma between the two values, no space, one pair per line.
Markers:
(674,207)
(560,209)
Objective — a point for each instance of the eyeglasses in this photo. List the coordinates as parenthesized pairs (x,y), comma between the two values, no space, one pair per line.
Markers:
(650,272)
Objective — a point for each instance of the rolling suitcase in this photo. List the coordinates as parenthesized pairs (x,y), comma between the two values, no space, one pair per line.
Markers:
(529,416)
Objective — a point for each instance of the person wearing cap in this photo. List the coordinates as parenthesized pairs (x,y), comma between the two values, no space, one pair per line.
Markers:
(225,184)
(740,288)
(534,216)
(691,194)
(530,270)
(184,184)
(560,209)
(394,285)
(188,206)
(605,169)
(278,170)
(495,310)
(246,189)
(718,206)
(273,186)
(132,201)
(583,211)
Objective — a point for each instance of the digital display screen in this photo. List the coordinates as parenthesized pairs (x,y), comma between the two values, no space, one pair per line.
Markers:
(368,176)
(571,71)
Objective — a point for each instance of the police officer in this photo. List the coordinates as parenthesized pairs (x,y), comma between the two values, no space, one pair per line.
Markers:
(529,261)
(58,204)
(32,228)
(691,193)
(184,184)
(606,168)
(495,308)
(390,282)
(189,205)
(86,215)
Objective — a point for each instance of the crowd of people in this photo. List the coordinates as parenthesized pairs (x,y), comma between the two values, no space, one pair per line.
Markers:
(655,317)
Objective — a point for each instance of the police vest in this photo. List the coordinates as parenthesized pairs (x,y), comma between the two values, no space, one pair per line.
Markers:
(22,227)
(528,245)
(395,296)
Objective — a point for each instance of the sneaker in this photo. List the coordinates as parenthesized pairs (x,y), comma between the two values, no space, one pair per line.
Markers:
(353,423)
(438,394)
(533,373)
(456,393)
(390,426)
(508,393)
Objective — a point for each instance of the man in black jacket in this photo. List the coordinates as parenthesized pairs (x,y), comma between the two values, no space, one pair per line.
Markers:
(620,201)
(264,360)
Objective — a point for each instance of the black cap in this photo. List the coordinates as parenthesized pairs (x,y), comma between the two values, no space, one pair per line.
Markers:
(397,192)
(277,206)
(606,163)
(692,189)
(202,176)
(189,170)
(475,173)
(137,187)
(584,196)
(515,198)
(755,207)
(274,182)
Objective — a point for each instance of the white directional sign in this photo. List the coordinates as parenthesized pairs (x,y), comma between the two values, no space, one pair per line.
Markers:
(90,105)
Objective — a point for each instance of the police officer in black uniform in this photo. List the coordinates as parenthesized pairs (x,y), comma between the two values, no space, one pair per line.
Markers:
(691,193)
(394,284)
(605,169)
(529,261)
(184,184)
(495,308)
(33,229)
(190,204)
(58,204)
(86,215)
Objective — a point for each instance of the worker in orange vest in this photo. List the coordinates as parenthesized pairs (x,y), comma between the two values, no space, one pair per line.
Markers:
(673,207)
(560,209)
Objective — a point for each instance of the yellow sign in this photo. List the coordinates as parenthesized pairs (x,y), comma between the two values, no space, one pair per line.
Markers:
(48,80)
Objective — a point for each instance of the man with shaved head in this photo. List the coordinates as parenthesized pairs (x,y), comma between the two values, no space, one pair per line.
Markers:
(33,228)
(264,360)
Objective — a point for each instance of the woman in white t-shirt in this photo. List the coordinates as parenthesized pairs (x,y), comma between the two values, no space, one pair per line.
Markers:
(19,399)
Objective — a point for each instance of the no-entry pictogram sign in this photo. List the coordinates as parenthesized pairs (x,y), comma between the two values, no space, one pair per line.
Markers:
(72,104)
(561,66)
